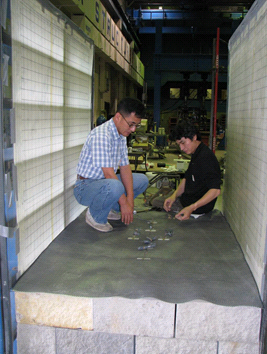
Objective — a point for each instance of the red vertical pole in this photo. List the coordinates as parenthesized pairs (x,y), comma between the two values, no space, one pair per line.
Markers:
(216,90)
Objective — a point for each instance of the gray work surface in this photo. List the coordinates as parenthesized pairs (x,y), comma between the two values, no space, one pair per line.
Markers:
(201,261)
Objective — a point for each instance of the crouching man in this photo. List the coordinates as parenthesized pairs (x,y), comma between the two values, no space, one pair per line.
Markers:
(200,187)
(109,195)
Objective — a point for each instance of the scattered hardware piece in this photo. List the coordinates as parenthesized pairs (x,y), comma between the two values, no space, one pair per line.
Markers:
(136,235)
(148,240)
(147,247)
(150,225)
(137,232)
(169,232)
(144,258)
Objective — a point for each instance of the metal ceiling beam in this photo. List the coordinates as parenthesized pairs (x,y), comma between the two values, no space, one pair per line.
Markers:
(186,62)
(183,22)
(182,4)
(151,15)
(185,30)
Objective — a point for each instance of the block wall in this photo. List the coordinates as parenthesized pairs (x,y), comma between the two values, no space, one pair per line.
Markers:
(245,193)
(132,326)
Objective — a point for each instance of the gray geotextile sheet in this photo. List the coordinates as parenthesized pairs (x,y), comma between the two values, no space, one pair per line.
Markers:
(196,259)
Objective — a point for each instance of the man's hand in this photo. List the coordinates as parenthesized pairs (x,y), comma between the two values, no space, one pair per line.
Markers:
(127,213)
(185,213)
(179,191)
(168,203)
(126,201)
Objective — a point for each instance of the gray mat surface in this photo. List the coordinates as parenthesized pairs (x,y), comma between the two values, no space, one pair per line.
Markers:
(202,260)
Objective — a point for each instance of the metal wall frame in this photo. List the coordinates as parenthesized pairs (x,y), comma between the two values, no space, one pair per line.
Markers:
(8,233)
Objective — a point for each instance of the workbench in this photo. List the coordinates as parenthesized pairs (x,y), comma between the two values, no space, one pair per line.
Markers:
(135,155)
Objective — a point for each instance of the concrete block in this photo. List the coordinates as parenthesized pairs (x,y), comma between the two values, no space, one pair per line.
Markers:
(36,339)
(70,341)
(54,310)
(206,321)
(238,348)
(148,345)
(145,317)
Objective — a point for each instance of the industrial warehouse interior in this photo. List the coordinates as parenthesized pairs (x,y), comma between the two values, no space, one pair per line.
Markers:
(158,285)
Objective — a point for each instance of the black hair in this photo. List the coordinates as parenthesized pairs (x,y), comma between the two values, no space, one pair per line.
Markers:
(185,129)
(130,105)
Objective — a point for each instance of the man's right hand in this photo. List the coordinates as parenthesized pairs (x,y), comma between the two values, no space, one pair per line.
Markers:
(168,203)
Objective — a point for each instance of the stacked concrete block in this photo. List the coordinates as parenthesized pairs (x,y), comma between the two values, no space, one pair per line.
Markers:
(235,329)
(147,345)
(55,324)
(34,339)
(141,317)
(54,310)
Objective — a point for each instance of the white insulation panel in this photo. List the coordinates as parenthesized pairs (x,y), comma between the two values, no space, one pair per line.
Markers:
(52,90)
(245,193)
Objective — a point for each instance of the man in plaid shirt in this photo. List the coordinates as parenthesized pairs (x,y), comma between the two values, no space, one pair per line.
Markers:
(107,194)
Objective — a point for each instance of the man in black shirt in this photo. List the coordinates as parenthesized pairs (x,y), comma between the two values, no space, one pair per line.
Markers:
(200,187)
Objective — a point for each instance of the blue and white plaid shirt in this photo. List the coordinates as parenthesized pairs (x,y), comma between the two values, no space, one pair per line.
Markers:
(104,147)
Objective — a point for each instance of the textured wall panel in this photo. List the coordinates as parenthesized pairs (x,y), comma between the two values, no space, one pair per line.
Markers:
(53,67)
(246,165)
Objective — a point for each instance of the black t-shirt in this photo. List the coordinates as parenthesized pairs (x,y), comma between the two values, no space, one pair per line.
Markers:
(203,173)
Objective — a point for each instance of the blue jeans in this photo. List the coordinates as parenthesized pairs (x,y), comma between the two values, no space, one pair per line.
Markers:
(102,195)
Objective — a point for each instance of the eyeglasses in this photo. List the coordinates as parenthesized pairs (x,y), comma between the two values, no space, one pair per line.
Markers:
(131,125)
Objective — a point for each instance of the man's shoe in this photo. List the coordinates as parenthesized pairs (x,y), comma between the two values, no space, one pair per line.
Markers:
(100,227)
(114,215)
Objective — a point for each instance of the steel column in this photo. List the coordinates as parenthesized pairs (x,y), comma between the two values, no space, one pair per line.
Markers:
(216,91)
(157,73)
